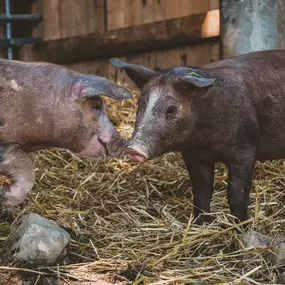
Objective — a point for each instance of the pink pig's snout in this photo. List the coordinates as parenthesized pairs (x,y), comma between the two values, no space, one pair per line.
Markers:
(136,154)
(113,143)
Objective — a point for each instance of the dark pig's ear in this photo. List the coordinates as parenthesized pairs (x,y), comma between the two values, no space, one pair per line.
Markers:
(185,84)
(138,74)
(88,86)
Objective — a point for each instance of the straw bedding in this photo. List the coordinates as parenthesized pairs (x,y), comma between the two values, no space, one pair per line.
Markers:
(134,223)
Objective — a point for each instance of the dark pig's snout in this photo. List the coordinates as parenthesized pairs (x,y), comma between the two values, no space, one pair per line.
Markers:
(136,154)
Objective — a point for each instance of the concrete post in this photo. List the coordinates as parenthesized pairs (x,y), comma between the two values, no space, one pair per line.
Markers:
(251,25)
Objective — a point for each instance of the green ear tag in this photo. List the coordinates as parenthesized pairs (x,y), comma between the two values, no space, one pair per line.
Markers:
(195,74)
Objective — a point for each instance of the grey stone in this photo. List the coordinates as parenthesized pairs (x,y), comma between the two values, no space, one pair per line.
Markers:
(274,246)
(37,240)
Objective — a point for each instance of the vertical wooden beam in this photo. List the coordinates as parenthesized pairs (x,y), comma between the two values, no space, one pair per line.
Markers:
(253,25)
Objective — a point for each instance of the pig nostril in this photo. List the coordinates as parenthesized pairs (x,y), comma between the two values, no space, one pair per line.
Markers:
(136,154)
(104,145)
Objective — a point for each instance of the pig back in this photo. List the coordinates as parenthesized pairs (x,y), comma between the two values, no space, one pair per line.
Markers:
(30,95)
(254,85)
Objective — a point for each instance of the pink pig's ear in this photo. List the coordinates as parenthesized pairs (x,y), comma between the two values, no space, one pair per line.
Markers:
(138,74)
(88,86)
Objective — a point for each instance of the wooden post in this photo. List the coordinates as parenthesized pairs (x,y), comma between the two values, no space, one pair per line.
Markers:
(251,25)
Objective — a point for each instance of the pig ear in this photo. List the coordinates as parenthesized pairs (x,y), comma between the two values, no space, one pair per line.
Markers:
(186,83)
(90,86)
(138,74)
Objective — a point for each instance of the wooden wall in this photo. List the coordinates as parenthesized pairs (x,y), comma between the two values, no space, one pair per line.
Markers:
(66,18)
(124,13)
(193,55)
(83,34)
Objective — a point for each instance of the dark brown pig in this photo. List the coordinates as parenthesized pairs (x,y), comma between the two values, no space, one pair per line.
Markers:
(231,111)
(44,105)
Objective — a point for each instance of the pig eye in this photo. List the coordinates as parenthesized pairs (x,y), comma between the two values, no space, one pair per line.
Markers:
(171,112)
(97,106)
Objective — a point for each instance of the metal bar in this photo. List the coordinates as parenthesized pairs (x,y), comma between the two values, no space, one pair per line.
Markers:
(21,18)
(8,28)
(18,42)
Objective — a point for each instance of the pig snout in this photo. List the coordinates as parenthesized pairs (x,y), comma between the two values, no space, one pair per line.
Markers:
(136,154)
(113,143)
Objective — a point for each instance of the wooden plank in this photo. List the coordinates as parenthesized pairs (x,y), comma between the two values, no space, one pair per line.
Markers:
(115,19)
(148,13)
(51,28)
(184,8)
(136,12)
(201,6)
(119,14)
(128,19)
(172,9)
(66,18)
(124,13)
(164,34)
(160,9)
(115,14)
(98,16)
(211,24)
(114,5)
(194,55)
(214,4)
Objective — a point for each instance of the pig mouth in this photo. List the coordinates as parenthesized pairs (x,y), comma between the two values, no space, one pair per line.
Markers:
(136,154)
(104,146)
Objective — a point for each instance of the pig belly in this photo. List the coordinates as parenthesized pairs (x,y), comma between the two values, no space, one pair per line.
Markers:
(271,148)
(272,133)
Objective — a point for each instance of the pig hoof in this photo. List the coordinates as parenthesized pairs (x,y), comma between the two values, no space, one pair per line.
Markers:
(240,217)
(204,219)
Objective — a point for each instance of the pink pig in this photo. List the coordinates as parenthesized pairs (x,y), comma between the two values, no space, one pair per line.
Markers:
(44,105)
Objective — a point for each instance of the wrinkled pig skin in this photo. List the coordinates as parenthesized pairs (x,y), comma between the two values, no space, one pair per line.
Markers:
(44,105)
(230,111)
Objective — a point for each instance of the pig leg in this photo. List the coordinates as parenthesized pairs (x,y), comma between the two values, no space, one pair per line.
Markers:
(16,165)
(239,185)
(202,176)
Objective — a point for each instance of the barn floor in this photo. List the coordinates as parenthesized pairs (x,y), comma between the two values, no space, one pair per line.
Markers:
(133,222)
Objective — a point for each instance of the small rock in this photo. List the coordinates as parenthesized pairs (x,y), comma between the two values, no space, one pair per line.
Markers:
(37,240)
(275,252)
